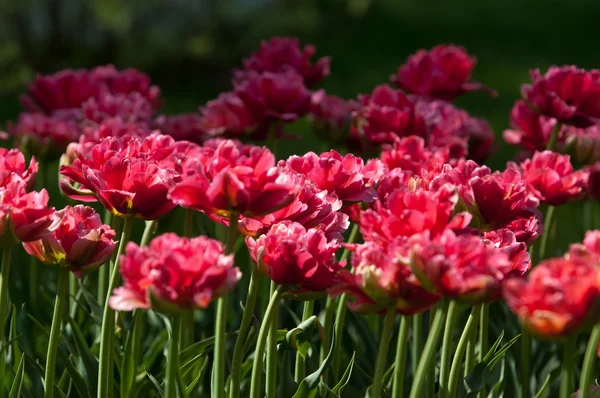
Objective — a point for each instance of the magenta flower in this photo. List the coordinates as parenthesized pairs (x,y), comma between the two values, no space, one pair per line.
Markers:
(228,116)
(173,273)
(12,163)
(411,155)
(130,107)
(529,129)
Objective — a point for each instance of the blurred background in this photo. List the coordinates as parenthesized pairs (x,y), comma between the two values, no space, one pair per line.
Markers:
(190,46)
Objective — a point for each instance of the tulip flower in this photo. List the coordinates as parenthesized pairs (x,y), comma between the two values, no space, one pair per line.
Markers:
(12,163)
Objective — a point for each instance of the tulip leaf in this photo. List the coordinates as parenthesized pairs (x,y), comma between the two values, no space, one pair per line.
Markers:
(90,362)
(542,392)
(92,302)
(155,349)
(17,385)
(475,380)
(198,348)
(299,338)
(494,347)
(16,350)
(190,389)
(308,387)
(128,366)
(337,389)
(156,383)
(502,351)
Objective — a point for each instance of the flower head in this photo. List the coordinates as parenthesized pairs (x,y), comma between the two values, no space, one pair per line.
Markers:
(290,254)
(410,154)
(331,116)
(444,72)
(12,163)
(130,107)
(228,116)
(530,130)
(174,273)
(81,242)
(568,94)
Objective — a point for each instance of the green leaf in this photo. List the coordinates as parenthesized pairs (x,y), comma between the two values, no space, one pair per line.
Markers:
(92,302)
(339,387)
(90,362)
(199,347)
(155,349)
(308,387)
(494,347)
(16,350)
(475,380)
(547,382)
(190,389)
(128,366)
(15,389)
(502,351)
(156,383)
(299,338)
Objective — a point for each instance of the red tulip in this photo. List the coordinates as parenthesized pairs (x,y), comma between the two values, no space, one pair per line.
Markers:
(382,278)
(552,179)
(240,178)
(506,241)
(24,216)
(587,252)
(331,115)
(228,116)
(529,129)
(410,154)
(462,267)
(443,72)
(172,273)
(127,81)
(347,176)
(81,242)
(130,107)
(290,254)
(12,163)
(557,299)
(281,54)
(568,94)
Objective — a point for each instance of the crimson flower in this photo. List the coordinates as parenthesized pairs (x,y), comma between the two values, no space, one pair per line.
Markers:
(227,115)
(444,72)
(557,298)
(347,176)
(506,241)
(552,179)
(130,107)
(12,163)
(410,154)
(173,273)
(461,267)
(274,96)
(530,130)
(567,93)
(238,178)
(290,254)
(587,252)
(24,216)
(81,242)
(382,278)
(281,54)
(331,115)
(127,81)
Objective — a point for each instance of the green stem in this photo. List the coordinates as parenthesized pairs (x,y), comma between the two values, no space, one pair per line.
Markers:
(417,341)
(257,368)
(548,225)
(149,231)
(34,264)
(587,369)
(447,346)
(524,363)
(173,358)
(221,317)
(566,371)
(104,271)
(188,323)
(73,289)
(188,223)
(108,318)
(401,351)
(330,309)
(470,358)
(271,378)
(484,325)
(238,351)
(554,137)
(4,305)
(431,372)
(300,370)
(428,356)
(384,344)
(59,307)
(470,327)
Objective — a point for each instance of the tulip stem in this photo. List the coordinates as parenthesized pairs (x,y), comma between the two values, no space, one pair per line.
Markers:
(428,356)
(188,324)
(238,351)
(149,232)
(4,305)
(417,341)
(188,223)
(340,314)
(401,351)
(447,347)
(470,355)
(587,369)
(566,371)
(104,271)
(108,318)
(430,393)
(173,358)
(300,370)
(221,317)
(525,360)
(257,368)
(59,307)
(465,338)
(548,225)
(382,354)
(34,264)
(554,137)
(484,324)
(271,378)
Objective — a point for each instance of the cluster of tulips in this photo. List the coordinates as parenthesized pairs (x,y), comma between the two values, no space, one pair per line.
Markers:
(411,239)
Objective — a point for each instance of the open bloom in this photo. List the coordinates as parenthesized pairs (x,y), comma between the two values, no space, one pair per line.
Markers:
(12,163)
(81,242)
(557,298)
(382,278)
(461,267)
(173,273)
(529,129)
(331,115)
(130,107)
(24,216)
(227,116)
(410,154)
(281,54)
(347,176)
(290,254)
(567,93)
(238,178)
(444,72)
(506,240)
(552,179)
